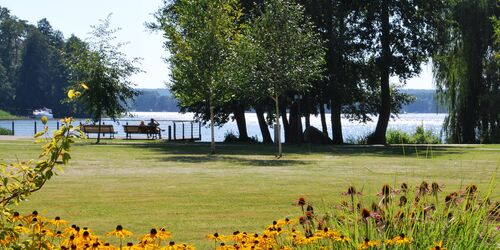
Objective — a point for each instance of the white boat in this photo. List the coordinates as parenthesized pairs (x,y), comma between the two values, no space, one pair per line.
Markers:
(39,113)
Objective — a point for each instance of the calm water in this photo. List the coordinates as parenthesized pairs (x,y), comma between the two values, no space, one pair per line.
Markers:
(405,122)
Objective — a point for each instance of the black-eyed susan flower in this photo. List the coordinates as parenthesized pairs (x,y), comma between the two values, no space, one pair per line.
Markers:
(438,246)
(367,244)
(119,232)
(398,240)
(58,222)
(163,233)
(215,236)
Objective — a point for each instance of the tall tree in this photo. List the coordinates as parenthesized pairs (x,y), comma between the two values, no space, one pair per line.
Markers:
(466,73)
(100,74)
(281,53)
(33,86)
(200,37)
(401,35)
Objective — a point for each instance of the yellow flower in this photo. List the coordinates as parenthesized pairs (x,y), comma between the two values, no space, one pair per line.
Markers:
(163,234)
(44,120)
(71,94)
(438,246)
(58,222)
(21,229)
(367,244)
(215,236)
(398,240)
(16,217)
(119,232)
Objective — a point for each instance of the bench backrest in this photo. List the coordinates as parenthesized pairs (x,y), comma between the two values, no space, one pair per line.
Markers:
(139,129)
(95,128)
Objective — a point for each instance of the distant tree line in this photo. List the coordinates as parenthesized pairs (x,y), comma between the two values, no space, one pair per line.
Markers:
(33,68)
(161,100)
(155,100)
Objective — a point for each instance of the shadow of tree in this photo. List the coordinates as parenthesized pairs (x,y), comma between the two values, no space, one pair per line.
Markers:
(235,160)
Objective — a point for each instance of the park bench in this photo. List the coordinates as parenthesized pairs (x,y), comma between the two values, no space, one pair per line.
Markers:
(94,129)
(152,132)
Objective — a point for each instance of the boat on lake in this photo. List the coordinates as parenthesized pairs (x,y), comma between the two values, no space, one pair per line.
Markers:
(39,113)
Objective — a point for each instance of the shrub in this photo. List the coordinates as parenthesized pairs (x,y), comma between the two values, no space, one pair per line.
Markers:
(4,131)
(359,140)
(231,137)
(420,136)
(396,136)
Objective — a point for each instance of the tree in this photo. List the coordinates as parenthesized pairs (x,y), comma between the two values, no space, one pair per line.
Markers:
(280,53)
(200,37)
(33,86)
(467,74)
(401,35)
(100,72)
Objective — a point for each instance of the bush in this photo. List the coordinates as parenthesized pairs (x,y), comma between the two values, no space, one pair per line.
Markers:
(231,137)
(359,140)
(420,136)
(4,131)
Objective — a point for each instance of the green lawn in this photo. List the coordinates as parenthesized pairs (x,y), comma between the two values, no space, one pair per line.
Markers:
(180,186)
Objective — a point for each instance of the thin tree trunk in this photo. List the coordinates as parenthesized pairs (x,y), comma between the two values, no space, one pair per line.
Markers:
(323,118)
(99,131)
(239,116)
(212,130)
(278,129)
(293,126)
(336,123)
(286,124)
(385,93)
(264,129)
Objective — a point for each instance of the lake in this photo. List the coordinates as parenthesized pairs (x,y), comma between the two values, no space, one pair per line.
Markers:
(351,129)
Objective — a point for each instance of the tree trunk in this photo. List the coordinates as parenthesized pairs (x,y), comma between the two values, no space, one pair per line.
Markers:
(212,129)
(286,124)
(293,124)
(336,119)
(239,116)
(385,94)
(99,131)
(323,118)
(278,129)
(264,129)
(307,113)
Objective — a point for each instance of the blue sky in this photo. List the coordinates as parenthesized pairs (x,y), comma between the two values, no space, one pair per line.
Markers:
(76,17)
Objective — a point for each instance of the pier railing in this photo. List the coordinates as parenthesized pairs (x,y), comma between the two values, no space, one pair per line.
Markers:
(172,130)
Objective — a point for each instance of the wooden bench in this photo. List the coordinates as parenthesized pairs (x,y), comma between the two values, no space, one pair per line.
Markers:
(94,129)
(152,132)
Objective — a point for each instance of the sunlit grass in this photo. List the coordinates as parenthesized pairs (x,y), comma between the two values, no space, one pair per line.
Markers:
(182,187)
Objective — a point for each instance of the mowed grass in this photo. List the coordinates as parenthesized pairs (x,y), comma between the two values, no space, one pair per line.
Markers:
(179,185)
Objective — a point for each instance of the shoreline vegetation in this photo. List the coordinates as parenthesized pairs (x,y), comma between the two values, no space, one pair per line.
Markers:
(4,115)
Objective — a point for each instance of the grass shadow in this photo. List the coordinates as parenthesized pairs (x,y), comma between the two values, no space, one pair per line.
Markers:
(194,159)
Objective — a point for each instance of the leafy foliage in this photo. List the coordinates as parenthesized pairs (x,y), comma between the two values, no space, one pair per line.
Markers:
(420,136)
(20,179)
(101,73)
(201,35)
(467,74)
